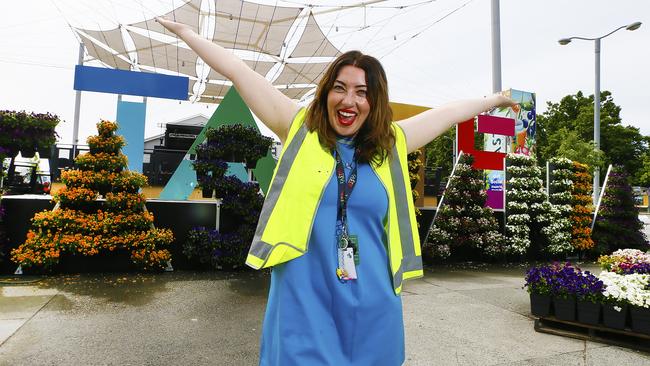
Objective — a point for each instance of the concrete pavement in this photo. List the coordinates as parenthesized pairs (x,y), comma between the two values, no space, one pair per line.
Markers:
(453,316)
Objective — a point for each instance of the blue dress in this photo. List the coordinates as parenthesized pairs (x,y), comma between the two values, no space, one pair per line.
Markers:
(314,319)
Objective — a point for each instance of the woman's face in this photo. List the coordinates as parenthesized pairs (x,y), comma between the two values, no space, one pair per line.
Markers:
(347,103)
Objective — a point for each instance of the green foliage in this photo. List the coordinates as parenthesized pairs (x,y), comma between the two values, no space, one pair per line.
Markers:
(570,146)
(567,127)
(643,174)
(439,153)
(414,165)
(618,225)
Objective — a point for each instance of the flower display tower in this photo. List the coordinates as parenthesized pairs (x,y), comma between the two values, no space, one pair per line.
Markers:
(83,225)
(556,216)
(241,202)
(464,226)
(581,213)
(525,197)
(618,225)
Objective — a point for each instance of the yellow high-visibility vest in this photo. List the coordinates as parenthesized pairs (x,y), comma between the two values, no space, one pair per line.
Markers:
(295,192)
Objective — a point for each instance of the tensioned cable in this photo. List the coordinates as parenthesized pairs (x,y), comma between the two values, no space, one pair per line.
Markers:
(355,6)
(262,47)
(250,35)
(70,25)
(37,64)
(403,12)
(153,57)
(103,36)
(427,28)
(234,44)
(107,44)
(325,38)
(178,68)
(383,21)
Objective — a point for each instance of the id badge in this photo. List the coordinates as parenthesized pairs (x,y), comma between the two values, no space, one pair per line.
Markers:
(349,268)
(354,244)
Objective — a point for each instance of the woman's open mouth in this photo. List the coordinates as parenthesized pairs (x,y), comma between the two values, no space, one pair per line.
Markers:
(346,116)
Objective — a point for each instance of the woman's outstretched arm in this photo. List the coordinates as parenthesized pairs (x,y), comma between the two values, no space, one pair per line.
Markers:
(426,126)
(272,107)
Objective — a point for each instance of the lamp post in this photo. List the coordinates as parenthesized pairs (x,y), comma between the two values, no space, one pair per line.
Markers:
(565,41)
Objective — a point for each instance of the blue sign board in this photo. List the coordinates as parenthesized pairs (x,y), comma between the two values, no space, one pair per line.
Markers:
(144,84)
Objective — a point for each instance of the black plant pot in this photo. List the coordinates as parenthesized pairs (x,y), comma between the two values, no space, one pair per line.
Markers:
(105,261)
(251,164)
(28,152)
(640,319)
(44,153)
(565,309)
(613,318)
(588,312)
(540,305)
(207,192)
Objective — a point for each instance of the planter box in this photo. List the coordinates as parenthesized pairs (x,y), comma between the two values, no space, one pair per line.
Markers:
(588,312)
(614,318)
(565,309)
(640,319)
(207,192)
(104,261)
(540,305)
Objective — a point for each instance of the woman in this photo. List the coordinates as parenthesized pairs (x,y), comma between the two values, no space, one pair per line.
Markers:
(337,225)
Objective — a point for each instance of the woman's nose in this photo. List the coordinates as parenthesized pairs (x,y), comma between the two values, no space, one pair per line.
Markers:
(349,99)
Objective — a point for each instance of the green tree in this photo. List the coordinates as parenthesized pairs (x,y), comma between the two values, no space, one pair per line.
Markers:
(569,145)
(439,153)
(643,174)
(621,145)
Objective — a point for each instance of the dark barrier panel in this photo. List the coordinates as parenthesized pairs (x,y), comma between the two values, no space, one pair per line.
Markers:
(19,211)
(179,216)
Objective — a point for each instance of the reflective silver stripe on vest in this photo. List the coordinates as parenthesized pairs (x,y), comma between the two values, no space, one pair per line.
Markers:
(259,248)
(410,261)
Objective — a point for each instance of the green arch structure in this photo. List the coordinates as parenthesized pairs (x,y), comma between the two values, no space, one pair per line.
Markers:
(232,110)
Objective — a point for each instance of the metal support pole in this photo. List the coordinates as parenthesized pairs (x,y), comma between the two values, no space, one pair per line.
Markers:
(77,108)
(496,47)
(597,118)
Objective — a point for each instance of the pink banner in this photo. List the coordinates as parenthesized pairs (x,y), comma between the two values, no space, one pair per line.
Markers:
(496,125)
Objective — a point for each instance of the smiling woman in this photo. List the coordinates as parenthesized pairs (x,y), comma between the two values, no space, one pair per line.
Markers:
(338,223)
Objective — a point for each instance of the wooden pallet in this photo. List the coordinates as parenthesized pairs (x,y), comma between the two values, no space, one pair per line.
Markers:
(595,333)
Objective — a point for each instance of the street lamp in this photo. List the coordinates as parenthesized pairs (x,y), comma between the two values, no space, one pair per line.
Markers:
(565,41)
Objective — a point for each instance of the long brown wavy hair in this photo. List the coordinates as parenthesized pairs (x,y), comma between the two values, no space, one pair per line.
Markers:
(375,138)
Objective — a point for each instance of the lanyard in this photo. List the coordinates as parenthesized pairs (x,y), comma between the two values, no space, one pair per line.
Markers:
(344,190)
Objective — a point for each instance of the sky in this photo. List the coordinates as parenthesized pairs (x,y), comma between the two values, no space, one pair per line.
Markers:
(434,52)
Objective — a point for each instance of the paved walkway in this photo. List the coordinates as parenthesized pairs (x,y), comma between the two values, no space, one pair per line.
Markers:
(462,316)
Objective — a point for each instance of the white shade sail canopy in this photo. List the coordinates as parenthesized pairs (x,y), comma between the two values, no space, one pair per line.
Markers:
(283,44)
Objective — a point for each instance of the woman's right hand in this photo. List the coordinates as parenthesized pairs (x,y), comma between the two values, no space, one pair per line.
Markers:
(174,27)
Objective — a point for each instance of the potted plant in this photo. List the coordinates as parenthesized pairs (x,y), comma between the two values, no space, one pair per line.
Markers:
(615,302)
(590,296)
(564,288)
(538,284)
(627,275)
(236,143)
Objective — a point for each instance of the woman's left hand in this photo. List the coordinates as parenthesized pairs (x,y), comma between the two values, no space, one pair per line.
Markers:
(501,101)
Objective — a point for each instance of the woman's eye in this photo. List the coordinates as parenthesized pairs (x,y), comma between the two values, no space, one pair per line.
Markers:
(361,93)
(338,88)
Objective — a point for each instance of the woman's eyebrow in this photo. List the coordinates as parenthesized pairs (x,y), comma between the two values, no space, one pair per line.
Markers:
(344,84)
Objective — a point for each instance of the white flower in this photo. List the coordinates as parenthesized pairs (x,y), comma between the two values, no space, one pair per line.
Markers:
(632,288)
